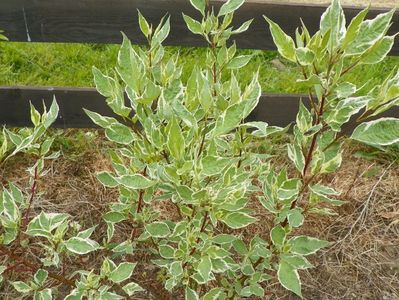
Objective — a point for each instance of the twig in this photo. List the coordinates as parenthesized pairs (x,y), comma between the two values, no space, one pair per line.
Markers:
(203,226)
(32,196)
(34,268)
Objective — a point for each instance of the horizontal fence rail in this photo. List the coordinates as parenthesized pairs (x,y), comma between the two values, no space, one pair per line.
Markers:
(275,109)
(100,21)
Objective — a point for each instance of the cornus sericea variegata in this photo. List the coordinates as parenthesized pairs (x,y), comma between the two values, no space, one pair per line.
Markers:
(187,146)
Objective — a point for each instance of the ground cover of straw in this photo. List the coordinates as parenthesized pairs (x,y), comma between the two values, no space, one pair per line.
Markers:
(361,264)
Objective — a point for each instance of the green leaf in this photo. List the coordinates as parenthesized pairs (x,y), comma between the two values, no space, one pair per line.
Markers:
(370,32)
(114,217)
(289,189)
(224,239)
(263,129)
(239,62)
(191,294)
(120,134)
(166,251)
(34,115)
(199,5)
(122,272)
(323,190)
(310,82)
(135,182)
(130,67)
(85,234)
(107,179)
(333,22)
(243,27)
(144,26)
(236,220)
(204,268)
(296,261)
(110,296)
(254,289)
(152,91)
(345,90)
(194,26)
(381,132)
(40,276)
(354,28)
(214,294)
(132,288)
(45,223)
(81,246)
(304,118)
(21,287)
(285,44)
(206,98)
(158,229)
(295,217)
(213,165)
(251,96)
(289,278)
(45,294)
(51,115)
(230,6)
(296,156)
(104,84)
(345,110)
(162,34)
(184,114)
(100,120)
(277,235)
(229,119)
(305,245)
(176,144)
(304,56)
(378,51)
(75,295)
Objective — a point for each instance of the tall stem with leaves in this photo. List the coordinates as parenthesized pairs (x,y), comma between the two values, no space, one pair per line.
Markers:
(325,59)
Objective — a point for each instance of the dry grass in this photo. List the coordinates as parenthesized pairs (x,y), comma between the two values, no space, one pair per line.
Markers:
(363,263)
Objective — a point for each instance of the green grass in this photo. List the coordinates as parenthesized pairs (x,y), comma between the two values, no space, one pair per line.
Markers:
(43,64)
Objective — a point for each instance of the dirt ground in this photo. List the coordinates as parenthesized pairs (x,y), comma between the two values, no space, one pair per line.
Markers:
(362,264)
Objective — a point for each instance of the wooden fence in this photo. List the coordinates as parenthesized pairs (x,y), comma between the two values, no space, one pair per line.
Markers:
(100,21)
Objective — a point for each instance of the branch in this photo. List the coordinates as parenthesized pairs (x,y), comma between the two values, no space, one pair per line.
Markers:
(32,195)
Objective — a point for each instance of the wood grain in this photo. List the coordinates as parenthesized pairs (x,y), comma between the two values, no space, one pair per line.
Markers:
(100,21)
(275,109)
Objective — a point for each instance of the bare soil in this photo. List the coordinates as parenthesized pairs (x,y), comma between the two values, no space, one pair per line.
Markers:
(362,263)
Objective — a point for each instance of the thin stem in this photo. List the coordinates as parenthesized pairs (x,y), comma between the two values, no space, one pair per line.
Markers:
(139,206)
(203,226)
(349,68)
(34,268)
(31,198)
(241,148)
(203,137)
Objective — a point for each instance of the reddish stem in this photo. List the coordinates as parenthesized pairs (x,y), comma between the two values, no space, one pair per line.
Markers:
(204,222)
(20,260)
(31,198)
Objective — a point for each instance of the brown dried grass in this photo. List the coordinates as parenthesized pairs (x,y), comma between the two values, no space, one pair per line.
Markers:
(363,263)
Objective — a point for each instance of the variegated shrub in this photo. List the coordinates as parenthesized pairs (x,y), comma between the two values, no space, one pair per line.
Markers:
(188,174)
(187,144)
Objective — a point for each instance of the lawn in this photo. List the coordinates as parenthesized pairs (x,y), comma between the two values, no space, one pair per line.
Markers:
(47,64)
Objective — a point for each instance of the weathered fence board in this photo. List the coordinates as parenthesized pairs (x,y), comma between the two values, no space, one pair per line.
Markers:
(100,21)
(276,109)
